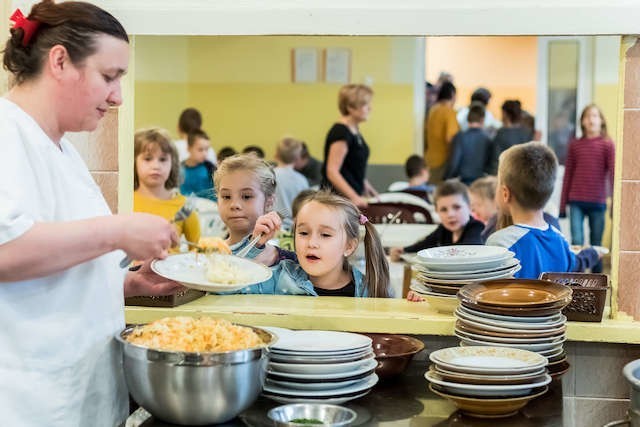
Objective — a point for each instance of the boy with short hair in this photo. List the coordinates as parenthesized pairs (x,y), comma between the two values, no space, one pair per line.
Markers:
(457,227)
(197,169)
(470,149)
(418,174)
(289,182)
(526,177)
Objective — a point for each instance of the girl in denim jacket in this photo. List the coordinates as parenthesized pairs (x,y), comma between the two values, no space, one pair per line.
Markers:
(326,232)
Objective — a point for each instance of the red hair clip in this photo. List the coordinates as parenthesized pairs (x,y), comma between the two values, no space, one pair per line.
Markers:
(29,27)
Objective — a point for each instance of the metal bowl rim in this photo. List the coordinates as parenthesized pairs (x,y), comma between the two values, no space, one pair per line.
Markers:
(353,414)
(119,336)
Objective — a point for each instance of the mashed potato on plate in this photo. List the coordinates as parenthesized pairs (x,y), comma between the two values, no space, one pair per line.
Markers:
(221,269)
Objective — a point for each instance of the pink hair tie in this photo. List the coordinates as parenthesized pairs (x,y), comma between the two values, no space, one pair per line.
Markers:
(29,26)
(363,219)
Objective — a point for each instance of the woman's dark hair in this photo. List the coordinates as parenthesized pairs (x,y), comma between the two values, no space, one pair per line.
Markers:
(190,120)
(513,110)
(446,92)
(74,25)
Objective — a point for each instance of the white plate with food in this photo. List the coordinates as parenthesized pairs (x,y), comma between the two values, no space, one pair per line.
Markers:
(211,272)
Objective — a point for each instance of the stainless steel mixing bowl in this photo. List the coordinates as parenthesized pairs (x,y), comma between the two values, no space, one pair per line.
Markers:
(195,388)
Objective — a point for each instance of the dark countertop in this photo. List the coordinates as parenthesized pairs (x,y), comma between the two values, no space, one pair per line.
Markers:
(406,401)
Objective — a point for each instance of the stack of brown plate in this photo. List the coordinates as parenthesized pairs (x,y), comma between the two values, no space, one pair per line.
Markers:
(488,382)
(516,313)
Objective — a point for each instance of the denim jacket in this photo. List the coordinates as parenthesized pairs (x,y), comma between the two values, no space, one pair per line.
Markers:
(290,279)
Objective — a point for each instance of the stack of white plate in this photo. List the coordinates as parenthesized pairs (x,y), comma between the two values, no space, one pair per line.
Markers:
(488,381)
(320,366)
(517,313)
(442,271)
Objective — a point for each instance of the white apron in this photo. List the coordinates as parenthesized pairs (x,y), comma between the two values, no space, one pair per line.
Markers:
(59,364)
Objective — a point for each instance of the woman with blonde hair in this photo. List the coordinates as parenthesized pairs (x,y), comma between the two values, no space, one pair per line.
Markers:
(345,151)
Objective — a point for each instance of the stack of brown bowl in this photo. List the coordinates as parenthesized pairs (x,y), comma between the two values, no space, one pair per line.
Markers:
(516,313)
(488,382)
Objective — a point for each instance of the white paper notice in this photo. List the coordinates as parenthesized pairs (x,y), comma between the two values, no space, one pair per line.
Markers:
(337,65)
(305,65)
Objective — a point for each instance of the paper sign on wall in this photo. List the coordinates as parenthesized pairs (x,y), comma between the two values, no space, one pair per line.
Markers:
(305,65)
(337,65)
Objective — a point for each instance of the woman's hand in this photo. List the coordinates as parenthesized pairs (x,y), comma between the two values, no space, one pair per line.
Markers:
(267,225)
(360,202)
(369,190)
(145,282)
(394,254)
(145,236)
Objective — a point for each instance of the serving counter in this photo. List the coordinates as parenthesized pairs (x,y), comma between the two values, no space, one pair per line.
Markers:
(356,315)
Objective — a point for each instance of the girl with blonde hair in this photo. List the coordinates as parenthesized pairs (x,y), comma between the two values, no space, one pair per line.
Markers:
(326,233)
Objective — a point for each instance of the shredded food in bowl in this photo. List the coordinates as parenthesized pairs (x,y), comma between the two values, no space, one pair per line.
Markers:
(188,334)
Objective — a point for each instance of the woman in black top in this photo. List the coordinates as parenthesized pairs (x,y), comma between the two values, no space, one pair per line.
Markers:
(345,151)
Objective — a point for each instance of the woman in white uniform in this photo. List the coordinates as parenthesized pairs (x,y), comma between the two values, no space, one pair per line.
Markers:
(61,290)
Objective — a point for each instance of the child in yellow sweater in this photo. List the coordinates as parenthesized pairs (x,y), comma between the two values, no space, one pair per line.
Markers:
(156,178)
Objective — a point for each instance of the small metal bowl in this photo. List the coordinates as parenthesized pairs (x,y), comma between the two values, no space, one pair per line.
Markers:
(330,415)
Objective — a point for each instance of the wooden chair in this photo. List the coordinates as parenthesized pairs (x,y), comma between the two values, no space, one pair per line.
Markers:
(423,194)
(382,213)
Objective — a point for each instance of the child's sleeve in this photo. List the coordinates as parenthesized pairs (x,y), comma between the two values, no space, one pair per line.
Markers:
(428,242)
(586,258)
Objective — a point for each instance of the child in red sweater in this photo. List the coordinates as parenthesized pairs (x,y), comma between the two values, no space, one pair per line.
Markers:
(588,178)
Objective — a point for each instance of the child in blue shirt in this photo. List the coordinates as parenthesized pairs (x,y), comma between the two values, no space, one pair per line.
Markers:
(526,177)
(197,171)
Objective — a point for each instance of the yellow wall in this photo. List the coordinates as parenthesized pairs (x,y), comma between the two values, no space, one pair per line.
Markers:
(507,66)
(242,86)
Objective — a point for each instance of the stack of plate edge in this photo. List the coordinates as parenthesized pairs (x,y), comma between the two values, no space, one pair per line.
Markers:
(323,376)
(499,391)
(488,329)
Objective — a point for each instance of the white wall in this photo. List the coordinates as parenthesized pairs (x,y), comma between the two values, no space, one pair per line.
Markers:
(377,17)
